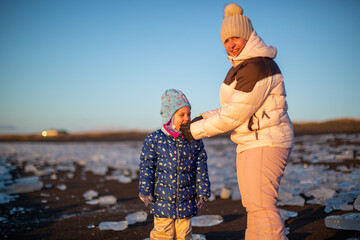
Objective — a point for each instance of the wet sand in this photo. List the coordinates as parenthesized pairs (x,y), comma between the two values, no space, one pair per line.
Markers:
(63,214)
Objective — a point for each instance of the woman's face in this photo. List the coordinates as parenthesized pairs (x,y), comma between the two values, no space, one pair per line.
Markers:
(182,116)
(234,45)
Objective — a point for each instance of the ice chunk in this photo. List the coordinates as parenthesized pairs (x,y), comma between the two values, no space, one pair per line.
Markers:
(342,201)
(349,221)
(96,168)
(25,184)
(212,197)
(30,168)
(89,195)
(342,168)
(46,171)
(120,178)
(328,209)
(321,193)
(3,219)
(4,173)
(5,198)
(108,199)
(285,215)
(236,195)
(206,220)
(346,207)
(139,216)
(295,201)
(225,193)
(355,176)
(70,175)
(116,226)
(198,237)
(64,168)
(93,202)
(45,195)
(62,187)
(357,203)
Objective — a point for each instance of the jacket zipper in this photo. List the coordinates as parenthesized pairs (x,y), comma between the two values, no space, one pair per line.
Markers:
(177,182)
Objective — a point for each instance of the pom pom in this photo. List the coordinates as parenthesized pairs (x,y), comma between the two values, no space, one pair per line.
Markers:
(232,9)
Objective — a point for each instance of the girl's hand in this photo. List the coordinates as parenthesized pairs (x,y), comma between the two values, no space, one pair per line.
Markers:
(201,202)
(148,199)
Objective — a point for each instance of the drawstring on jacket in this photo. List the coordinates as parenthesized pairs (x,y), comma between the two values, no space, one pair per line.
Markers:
(251,122)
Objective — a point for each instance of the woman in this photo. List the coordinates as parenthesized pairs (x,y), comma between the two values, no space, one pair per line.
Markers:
(254,108)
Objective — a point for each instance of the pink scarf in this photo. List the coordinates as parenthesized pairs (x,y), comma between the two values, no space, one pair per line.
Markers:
(171,129)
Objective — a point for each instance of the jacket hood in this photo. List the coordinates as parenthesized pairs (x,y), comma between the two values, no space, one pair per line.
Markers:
(255,47)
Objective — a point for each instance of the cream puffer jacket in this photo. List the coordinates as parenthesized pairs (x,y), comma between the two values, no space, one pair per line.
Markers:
(253,102)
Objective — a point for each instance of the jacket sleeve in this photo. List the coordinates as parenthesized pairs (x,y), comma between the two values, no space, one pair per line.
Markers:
(148,159)
(209,113)
(202,177)
(240,108)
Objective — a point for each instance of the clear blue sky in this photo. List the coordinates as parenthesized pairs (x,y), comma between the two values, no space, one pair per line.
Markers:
(85,65)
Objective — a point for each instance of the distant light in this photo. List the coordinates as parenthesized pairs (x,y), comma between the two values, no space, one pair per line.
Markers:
(53,133)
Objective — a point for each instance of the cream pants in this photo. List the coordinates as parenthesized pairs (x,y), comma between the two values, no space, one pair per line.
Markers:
(168,229)
(259,171)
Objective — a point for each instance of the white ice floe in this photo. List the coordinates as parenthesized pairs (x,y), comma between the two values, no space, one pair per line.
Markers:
(61,187)
(236,195)
(89,195)
(342,201)
(6,198)
(120,178)
(225,193)
(103,200)
(321,193)
(349,221)
(24,185)
(115,226)
(357,203)
(107,200)
(132,218)
(198,237)
(285,215)
(139,216)
(206,220)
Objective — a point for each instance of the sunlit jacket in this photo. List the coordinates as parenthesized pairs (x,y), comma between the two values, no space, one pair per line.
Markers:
(174,171)
(253,102)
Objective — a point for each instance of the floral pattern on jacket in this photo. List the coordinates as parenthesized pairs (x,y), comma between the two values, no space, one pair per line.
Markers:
(174,171)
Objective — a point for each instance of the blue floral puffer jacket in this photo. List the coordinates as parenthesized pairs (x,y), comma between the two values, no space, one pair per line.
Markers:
(174,171)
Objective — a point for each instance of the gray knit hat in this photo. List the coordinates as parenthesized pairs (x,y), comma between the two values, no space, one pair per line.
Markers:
(171,101)
(235,24)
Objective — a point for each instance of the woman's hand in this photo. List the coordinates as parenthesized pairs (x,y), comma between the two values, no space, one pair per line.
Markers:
(197,119)
(185,130)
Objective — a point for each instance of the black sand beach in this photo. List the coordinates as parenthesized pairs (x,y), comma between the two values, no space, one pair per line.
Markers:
(64,214)
(56,214)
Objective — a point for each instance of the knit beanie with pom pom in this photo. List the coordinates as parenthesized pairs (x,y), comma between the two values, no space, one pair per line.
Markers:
(235,24)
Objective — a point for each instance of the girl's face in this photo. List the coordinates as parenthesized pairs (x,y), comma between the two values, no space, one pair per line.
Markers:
(182,116)
(234,45)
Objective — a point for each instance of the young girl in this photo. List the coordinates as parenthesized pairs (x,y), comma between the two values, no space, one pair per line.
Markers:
(173,172)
